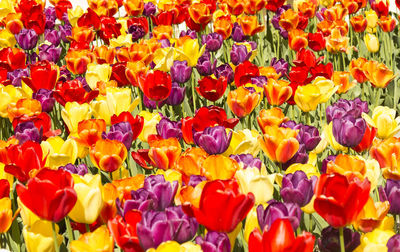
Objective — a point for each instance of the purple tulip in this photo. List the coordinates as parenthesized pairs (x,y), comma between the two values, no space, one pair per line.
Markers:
(348,131)
(165,43)
(204,65)
(80,169)
(278,210)
(137,32)
(26,131)
(50,13)
(280,66)
(214,140)
(326,161)
(45,97)
(142,200)
(27,39)
(320,14)
(329,240)
(167,129)
(275,21)
(180,71)
(393,243)
(192,34)
(214,242)
(122,132)
(345,107)
(237,33)
(239,54)
(194,180)
(164,190)
(247,160)
(301,157)
(307,135)
(65,31)
(16,75)
(226,71)
(260,81)
(49,52)
(213,41)
(148,103)
(53,36)
(297,188)
(177,95)
(149,9)
(391,192)
(170,225)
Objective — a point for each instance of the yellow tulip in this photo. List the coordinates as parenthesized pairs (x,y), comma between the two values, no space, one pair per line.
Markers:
(371,42)
(251,223)
(244,142)
(326,87)
(373,171)
(171,175)
(6,6)
(73,113)
(372,20)
(96,72)
(307,97)
(5,214)
(173,246)
(164,58)
(149,126)
(384,119)
(257,182)
(96,241)
(9,94)
(39,237)
(387,223)
(233,235)
(28,217)
(88,189)
(190,51)
(74,15)
(308,169)
(375,240)
(309,208)
(59,152)
(123,40)
(7,39)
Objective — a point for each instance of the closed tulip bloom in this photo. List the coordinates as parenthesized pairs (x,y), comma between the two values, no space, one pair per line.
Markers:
(45,97)
(77,60)
(214,140)
(297,188)
(224,70)
(242,101)
(98,240)
(214,242)
(27,131)
(390,192)
(271,117)
(123,231)
(73,113)
(50,194)
(347,165)
(329,242)
(279,238)
(219,167)
(204,65)
(167,129)
(27,39)
(96,73)
(39,236)
(6,216)
(339,199)
(156,85)
(289,20)
(378,74)
(212,89)
(80,169)
(213,41)
(44,74)
(356,68)
(277,92)
(223,26)
(89,131)
(359,23)
(7,39)
(387,153)
(60,152)
(372,20)
(298,39)
(349,131)
(108,155)
(387,23)
(371,42)
(200,13)
(149,126)
(250,25)
(180,72)
(89,204)
(122,132)
(164,152)
(221,206)
(239,54)
(383,118)
(244,141)
(393,243)
(278,210)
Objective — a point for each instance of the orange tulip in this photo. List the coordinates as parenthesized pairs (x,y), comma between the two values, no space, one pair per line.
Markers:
(359,23)
(251,7)
(336,12)
(162,32)
(223,26)
(89,131)
(289,20)
(164,152)
(134,7)
(104,7)
(109,209)
(387,153)
(279,144)
(140,51)
(342,79)
(82,36)
(26,106)
(104,54)
(192,195)
(133,71)
(271,117)
(219,167)
(77,60)
(6,217)
(242,101)
(378,74)
(387,23)
(200,13)
(108,155)
(269,72)
(277,92)
(235,7)
(336,41)
(307,8)
(125,186)
(250,25)
(191,161)
(372,215)
(356,69)
(347,165)
(298,39)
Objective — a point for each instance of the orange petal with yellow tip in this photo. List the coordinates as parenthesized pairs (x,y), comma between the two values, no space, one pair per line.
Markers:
(219,167)
(286,149)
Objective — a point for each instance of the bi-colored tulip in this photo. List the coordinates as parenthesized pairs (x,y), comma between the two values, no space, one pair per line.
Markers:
(164,152)
(277,92)
(372,215)
(108,155)
(77,60)
(6,217)
(387,153)
(271,117)
(242,101)
(378,74)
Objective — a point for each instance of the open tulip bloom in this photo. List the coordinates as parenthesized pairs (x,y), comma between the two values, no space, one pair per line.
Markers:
(209,125)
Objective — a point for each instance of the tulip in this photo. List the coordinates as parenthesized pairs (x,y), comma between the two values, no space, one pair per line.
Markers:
(200,13)
(372,215)
(89,131)
(108,155)
(250,25)
(247,161)
(90,201)
(218,195)
(244,141)
(156,85)
(371,42)
(73,91)
(6,217)
(97,73)
(239,54)
(78,60)
(149,125)
(219,167)
(27,39)
(393,243)
(356,68)
(390,192)
(39,236)
(279,143)
(204,65)
(175,246)
(387,23)
(278,210)
(336,42)
(277,92)
(164,152)
(50,194)
(225,71)
(349,131)
(329,241)
(383,118)
(123,231)
(271,117)
(212,89)
(213,41)
(375,240)
(378,74)
(190,162)
(27,131)
(242,101)
(7,39)
(45,97)
(122,132)
(190,51)
(180,72)
(372,20)
(214,140)
(214,241)
(80,169)
(346,107)
(60,152)
(158,227)
(297,188)
(381,7)
(340,206)
(223,26)
(99,239)
(359,23)
(298,39)
(280,237)
(168,129)
(348,166)
(73,113)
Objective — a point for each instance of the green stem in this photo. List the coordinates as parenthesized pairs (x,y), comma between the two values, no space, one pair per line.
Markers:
(341,240)
(87,228)
(56,247)
(69,229)
(193,94)
(378,95)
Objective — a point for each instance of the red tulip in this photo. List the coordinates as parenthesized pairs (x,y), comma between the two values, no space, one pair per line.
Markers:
(136,122)
(12,58)
(44,74)
(367,139)
(3,76)
(25,160)
(316,41)
(109,28)
(139,21)
(41,121)
(274,5)
(221,206)
(62,7)
(90,18)
(156,85)
(212,116)
(244,72)
(212,89)
(32,15)
(322,70)
(340,199)
(118,74)
(50,194)
(141,157)
(187,129)
(4,188)
(280,238)
(165,17)
(73,91)
(123,230)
